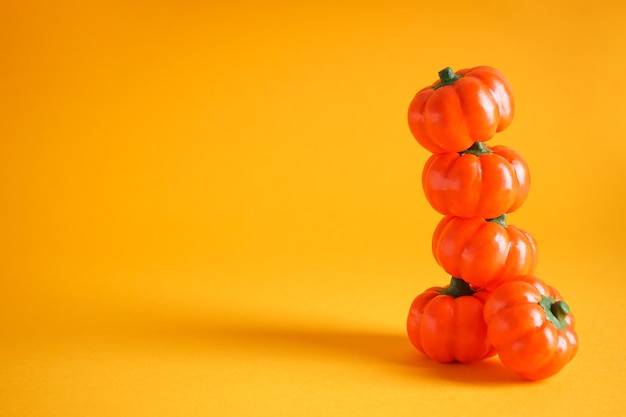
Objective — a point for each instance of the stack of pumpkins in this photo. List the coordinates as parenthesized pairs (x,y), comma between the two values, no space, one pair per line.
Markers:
(494,303)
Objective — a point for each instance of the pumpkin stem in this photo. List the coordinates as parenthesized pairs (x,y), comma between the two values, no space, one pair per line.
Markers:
(501,220)
(478,149)
(457,288)
(446,77)
(555,311)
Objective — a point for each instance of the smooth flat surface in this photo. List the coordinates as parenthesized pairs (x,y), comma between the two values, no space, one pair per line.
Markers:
(216,210)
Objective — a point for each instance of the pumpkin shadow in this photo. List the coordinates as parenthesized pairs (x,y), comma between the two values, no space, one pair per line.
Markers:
(386,351)
(485,372)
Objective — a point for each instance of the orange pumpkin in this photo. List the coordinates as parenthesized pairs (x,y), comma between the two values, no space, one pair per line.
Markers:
(461,108)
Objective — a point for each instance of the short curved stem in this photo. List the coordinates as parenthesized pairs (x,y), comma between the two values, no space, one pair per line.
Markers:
(446,77)
(560,309)
(555,311)
(501,220)
(478,149)
(457,288)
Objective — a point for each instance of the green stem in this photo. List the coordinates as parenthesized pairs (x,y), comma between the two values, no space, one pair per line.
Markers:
(501,220)
(478,149)
(446,77)
(457,288)
(555,311)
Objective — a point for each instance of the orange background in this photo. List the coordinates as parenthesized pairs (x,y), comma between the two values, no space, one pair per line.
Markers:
(216,210)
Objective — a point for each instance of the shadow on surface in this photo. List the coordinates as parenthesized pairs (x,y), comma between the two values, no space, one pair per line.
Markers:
(391,351)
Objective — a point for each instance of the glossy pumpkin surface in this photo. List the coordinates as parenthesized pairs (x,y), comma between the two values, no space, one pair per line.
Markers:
(531,327)
(481,182)
(461,108)
(484,253)
(449,327)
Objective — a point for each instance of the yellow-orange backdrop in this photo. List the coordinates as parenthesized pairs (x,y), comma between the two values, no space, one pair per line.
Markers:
(216,210)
